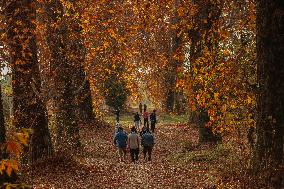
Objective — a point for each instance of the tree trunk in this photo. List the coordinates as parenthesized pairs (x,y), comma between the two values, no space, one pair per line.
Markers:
(2,126)
(270,99)
(83,96)
(86,103)
(29,110)
(171,72)
(57,39)
(200,39)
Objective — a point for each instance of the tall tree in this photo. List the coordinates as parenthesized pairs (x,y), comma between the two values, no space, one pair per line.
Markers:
(66,55)
(203,41)
(171,101)
(77,52)
(29,110)
(270,99)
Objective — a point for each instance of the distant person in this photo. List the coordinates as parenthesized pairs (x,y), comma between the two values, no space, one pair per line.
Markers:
(145,107)
(146,119)
(137,121)
(120,140)
(140,108)
(117,113)
(153,120)
(147,142)
(133,144)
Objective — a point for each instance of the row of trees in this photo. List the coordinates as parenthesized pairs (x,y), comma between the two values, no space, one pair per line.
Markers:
(198,54)
(47,73)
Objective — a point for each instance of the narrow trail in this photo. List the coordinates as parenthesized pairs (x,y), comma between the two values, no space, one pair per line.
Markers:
(97,165)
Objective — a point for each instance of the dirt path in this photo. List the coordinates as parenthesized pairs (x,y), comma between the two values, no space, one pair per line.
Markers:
(98,167)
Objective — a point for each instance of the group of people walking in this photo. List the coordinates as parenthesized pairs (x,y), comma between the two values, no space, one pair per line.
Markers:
(132,141)
(137,137)
(146,116)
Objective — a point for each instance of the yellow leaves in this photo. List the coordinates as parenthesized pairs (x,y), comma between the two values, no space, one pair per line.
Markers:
(8,166)
(85,21)
(111,11)
(249,100)
(226,52)
(181,11)
(23,138)
(14,149)
(216,96)
(106,45)
(112,33)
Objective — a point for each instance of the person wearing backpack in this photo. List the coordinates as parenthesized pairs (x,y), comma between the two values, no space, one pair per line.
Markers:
(153,120)
(120,140)
(133,144)
(137,121)
(147,142)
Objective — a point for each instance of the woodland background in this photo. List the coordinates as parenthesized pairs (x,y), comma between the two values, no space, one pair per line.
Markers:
(68,65)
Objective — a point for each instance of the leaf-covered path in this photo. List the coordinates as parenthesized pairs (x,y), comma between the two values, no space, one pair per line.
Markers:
(97,165)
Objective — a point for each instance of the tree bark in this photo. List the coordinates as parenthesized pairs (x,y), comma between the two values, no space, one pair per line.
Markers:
(2,126)
(85,103)
(201,38)
(270,99)
(83,96)
(171,72)
(65,119)
(29,110)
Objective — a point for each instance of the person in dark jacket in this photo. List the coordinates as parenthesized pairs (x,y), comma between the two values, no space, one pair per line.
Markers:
(147,142)
(140,108)
(137,121)
(120,141)
(153,120)
(145,107)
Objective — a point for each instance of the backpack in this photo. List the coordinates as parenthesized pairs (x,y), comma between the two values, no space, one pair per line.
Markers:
(147,139)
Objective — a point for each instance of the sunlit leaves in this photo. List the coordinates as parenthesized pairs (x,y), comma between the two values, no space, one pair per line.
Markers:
(14,147)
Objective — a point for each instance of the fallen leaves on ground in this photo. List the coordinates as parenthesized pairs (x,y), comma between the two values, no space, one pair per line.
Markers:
(97,165)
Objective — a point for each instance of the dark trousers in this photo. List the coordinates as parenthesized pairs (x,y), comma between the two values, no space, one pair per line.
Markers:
(147,150)
(153,126)
(134,154)
(146,123)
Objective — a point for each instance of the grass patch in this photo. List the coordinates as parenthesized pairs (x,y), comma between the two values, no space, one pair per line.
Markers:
(211,155)
(127,120)
(171,119)
(187,146)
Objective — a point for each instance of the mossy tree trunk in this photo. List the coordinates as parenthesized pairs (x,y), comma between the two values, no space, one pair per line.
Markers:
(29,109)
(2,127)
(58,35)
(201,38)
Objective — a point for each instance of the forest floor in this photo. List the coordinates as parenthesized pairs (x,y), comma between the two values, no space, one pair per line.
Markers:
(178,162)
